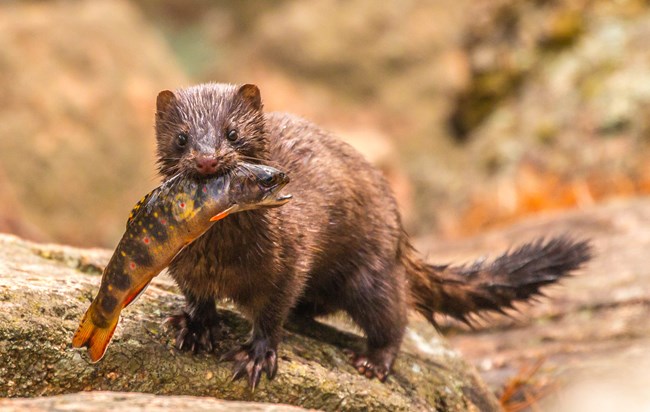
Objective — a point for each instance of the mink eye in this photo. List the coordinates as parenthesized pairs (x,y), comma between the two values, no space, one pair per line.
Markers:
(181,139)
(232,135)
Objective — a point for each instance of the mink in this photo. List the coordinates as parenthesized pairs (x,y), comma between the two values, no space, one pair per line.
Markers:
(339,245)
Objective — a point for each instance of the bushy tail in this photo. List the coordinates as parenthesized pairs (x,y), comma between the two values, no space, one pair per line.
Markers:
(92,336)
(461,291)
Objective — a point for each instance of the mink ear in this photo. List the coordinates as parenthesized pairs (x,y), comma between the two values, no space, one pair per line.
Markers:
(165,101)
(250,94)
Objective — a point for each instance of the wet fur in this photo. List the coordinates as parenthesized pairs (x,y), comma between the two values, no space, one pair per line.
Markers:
(338,245)
(464,291)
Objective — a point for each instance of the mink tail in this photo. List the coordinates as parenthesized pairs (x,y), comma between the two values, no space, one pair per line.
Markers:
(464,291)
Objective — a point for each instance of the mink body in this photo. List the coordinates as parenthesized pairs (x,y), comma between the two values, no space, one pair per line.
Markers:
(338,245)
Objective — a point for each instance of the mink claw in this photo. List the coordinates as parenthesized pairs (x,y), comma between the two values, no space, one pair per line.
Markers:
(229,356)
(367,367)
(251,360)
(192,335)
(175,322)
(205,340)
(179,341)
(239,371)
(254,374)
(271,364)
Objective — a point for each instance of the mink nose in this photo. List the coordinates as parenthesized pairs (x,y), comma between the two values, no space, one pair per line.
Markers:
(206,164)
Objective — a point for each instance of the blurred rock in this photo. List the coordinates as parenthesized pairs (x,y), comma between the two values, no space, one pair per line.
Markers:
(78,82)
(574,129)
(493,109)
(361,66)
(547,96)
(618,386)
(45,289)
(11,213)
(594,324)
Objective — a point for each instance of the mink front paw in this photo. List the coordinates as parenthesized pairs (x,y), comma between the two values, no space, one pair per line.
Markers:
(251,358)
(194,334)
(371,366)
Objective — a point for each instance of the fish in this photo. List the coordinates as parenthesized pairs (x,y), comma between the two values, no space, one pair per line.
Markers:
(160,225)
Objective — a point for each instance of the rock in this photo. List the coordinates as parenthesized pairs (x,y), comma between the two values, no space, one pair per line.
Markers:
(11,216)
(590,324)
(44,290)
(549,97)
(363,67)
(76,115)
(574,129)
(119,401)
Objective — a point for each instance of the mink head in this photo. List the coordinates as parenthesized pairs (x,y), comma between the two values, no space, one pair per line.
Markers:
(208,129)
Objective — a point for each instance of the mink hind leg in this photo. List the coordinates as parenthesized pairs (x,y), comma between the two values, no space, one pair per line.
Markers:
(377,303)
(197,326)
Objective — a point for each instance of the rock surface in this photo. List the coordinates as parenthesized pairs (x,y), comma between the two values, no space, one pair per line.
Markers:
(496,109)
(547,100)
(76,116)
(595,324)
(44,290)
(119,401)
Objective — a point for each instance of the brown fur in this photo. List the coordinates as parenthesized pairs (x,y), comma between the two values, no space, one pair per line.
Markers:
(338,245)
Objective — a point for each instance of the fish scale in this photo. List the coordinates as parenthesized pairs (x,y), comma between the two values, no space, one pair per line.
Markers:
(160,225)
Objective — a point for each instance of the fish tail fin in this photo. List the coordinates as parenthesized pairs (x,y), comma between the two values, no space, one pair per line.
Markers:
(95,338)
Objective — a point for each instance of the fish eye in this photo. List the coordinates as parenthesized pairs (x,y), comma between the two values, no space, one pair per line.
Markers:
(232,135)
(181,139)
(268,180)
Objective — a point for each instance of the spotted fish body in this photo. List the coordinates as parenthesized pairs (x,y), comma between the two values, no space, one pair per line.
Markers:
(161,225)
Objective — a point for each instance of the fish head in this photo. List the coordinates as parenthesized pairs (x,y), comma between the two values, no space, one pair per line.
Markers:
(258,186)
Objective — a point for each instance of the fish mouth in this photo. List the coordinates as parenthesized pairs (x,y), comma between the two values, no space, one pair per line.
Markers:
(270,182)
(275,199)
(280,200)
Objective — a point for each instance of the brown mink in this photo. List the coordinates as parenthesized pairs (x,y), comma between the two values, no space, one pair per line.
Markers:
(338,245)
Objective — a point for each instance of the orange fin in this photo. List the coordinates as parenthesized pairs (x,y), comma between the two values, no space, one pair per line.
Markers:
(136,294)
(94,338)
(221,215)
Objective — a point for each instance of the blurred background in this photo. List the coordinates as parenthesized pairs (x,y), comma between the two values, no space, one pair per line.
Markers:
(479,112)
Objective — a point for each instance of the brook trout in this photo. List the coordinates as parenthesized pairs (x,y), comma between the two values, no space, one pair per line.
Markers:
(159,227)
